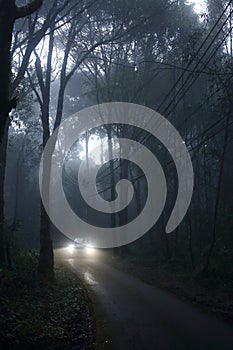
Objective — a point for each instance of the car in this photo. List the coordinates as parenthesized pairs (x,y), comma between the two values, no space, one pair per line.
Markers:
(79,244)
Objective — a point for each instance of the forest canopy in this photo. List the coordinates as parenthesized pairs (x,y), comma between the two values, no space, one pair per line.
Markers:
(68,55)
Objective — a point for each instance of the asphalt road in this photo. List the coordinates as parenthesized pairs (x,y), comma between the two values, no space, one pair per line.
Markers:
(134,315)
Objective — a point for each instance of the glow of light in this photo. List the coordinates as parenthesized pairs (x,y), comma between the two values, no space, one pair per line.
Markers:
(90,250)
(199,6)
(71,248)
(92,144)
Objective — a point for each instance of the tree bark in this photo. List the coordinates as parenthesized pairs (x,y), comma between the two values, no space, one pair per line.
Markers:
(112,175)
(7,18)
(218,195)
(9,12)
(46,257)
(3,153)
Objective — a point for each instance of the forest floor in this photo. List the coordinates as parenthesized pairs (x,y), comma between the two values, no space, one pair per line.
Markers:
(57,315)
(211,293)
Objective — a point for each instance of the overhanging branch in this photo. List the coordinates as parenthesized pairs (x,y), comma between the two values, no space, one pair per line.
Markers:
(28,9)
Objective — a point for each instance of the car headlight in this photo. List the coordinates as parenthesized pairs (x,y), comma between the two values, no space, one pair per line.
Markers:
(89,249)
(71,248)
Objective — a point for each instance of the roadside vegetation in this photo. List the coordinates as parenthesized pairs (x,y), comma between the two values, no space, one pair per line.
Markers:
(37,315)
(61,56)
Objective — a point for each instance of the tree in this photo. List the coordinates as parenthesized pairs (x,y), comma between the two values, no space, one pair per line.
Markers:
(72,37)
(9,13)
(27,35)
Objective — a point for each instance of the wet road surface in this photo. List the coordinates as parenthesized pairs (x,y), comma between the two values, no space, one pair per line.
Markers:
(134,315)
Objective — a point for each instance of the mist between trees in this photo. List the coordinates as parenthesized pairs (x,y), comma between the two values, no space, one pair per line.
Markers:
(68,55)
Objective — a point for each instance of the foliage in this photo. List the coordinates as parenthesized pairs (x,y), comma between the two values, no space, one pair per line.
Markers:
(160,54)
(48,316)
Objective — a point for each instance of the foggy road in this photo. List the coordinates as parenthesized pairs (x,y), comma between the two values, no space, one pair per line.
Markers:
(134,315)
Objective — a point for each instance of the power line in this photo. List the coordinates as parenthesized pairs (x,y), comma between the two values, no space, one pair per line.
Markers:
(195,79)
(193,59)
(197,64)
(199,61)
(147,137)
(210,137)
(206,100)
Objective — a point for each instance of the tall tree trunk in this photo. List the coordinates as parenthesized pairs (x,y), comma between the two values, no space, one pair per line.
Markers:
(190,238)
(3,154)
(165,237)
(217,202)
(112,175)
(124,174)
(9,12)
(7,18)
(46,258)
